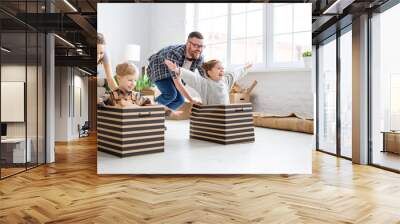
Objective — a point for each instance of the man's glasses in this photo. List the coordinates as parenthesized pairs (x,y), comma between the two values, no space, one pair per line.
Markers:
(197,45)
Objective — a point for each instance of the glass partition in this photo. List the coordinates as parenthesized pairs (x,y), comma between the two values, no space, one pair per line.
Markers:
(327,96)
(13,103)
(41,109)
(22,91)
(385,89)
(32,98)
(346,93)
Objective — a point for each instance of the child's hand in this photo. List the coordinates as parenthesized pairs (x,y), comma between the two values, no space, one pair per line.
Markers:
(171,65)
(100,100)
(195,102)
(248,65)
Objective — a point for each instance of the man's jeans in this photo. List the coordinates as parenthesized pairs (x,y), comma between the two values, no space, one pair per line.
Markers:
(170,96)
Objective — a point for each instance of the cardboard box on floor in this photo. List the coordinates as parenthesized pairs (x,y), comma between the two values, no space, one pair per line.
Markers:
(130,131)
(220,123)
(240,95)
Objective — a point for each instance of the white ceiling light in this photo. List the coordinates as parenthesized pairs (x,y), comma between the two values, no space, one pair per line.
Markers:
(86,72)
(70,5)
(337,7)
(65,41)
(5,50)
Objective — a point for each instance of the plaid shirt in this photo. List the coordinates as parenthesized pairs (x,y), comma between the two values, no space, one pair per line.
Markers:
(157,69)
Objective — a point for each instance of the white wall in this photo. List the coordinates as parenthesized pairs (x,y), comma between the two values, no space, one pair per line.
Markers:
(167,22)
(124,24)
(152,26)
(282,92)
(79,117)
(62,82)
(66,121)
(17,73)
(33,126)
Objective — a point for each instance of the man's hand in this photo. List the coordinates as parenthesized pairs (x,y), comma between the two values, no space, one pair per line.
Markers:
(171,66)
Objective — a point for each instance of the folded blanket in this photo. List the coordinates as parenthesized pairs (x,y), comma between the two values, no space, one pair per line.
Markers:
(290,122)
(262,114)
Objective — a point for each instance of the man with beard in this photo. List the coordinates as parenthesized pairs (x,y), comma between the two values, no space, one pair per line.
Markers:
(187,56)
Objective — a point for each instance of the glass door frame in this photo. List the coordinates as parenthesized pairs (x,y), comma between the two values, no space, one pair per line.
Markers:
(30,29)
(337,35)
(387,5)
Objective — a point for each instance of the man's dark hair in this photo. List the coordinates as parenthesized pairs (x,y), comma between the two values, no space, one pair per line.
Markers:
(196,34)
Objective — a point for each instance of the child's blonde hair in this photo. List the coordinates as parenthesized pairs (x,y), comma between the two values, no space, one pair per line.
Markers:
(126,68)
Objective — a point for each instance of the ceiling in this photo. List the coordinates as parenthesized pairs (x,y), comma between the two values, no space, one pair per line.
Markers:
(77,22)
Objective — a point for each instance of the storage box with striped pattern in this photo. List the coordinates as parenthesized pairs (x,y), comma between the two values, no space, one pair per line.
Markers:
(224,124)
(131,130)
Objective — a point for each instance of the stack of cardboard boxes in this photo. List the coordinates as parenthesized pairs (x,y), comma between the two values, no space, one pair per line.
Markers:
(240,95)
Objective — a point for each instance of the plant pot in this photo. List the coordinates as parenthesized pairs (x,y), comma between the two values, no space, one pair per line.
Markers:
(147,92)
(307,62)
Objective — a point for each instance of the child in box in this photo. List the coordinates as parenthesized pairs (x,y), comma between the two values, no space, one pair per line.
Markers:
(215,88)
(123,94)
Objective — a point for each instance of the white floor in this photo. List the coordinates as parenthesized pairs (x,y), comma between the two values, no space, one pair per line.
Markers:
(273,152)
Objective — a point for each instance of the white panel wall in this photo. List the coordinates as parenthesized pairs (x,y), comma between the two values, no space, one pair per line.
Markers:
(124,24)
(167,26)
(67,121)
(282,92)
(62,82)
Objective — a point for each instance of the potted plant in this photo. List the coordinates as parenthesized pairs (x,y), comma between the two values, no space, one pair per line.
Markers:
(307,59)
(144,85)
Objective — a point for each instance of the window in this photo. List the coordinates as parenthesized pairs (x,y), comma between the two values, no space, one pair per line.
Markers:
(246,33)
(290,34)
(213,23)
(236,33)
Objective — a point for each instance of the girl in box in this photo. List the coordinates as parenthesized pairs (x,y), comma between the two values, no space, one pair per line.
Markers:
(215,88)
(123,94)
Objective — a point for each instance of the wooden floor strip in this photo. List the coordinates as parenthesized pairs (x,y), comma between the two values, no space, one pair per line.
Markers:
(70,191)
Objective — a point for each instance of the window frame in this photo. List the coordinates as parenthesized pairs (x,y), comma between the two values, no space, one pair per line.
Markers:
(267,63)
(270,44)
